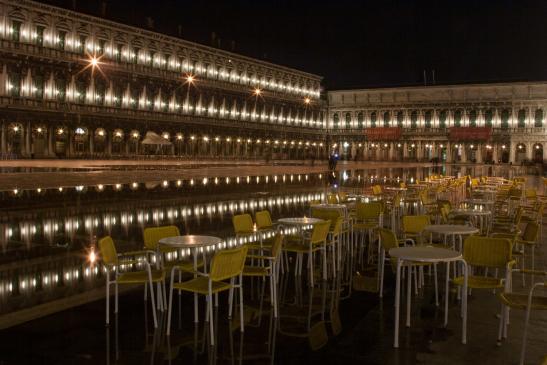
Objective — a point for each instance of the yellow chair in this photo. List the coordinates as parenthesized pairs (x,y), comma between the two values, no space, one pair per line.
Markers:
(367,217)
(332,199)
(317,242)
(153,235)
(527,302)
(488,253)
(112,262)
(413,227)
(270,269)
(226,264)
(244,228)
(263,220)
(388,240)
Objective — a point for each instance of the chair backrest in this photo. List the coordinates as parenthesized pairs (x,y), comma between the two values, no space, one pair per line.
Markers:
(243,224)
(415,223)
(337,228)
(365,211)
(320,232)
(531,232)
(343,197)
(332,199)
(388,239)
(108,251)
(263,219)
(277,245)
(487,251)
(402,184)
(331,215)
(228,263)
(376,190)
(152,235)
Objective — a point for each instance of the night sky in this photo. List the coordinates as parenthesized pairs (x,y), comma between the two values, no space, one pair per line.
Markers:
(357,44)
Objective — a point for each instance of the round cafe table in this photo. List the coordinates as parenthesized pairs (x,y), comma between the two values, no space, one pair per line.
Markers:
(482,215)
(452,230)
(299,221)
(427,254)
(195,243)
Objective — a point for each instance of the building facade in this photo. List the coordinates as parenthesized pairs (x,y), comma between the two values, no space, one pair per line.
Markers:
(73,85)
(457,123)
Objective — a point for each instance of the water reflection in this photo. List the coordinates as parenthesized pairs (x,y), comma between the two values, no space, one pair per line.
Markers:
(46,234)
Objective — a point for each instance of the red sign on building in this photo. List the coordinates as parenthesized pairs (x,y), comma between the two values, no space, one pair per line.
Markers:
(469,133)
(383,134)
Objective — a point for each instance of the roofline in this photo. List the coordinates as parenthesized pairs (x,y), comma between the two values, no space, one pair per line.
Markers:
(114,24)
(451,86)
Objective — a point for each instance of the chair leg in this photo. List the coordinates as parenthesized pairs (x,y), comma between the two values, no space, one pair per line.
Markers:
(502,320)
(107,297)
(170,307)
(381,272)
(210,311)
(116,297)
(242,322)
(436,285)
(526,322)
(231,297)
(152,300)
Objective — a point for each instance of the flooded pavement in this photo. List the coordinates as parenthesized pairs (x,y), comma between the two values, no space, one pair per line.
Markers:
(47,234)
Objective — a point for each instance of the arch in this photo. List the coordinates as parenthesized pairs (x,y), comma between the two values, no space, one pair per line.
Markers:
(387,119)
(537,153)
(348,120)
(538,118)
(373,118)
(488,117)
(521,118)
(505,113)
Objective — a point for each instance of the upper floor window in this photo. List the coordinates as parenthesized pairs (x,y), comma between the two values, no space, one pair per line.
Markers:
(427,118)
(443,115)
(538,118)
(348,120)
(414,119)
(505,118)
(360,120)
(458,118)
(373,120)
(488,117)
(521,118)
(473,118)
(400,119)
(335,120)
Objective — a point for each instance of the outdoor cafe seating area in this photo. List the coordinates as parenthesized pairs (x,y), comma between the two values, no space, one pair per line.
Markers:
(445,234)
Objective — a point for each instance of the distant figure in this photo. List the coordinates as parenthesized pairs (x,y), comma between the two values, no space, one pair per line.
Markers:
(333,159)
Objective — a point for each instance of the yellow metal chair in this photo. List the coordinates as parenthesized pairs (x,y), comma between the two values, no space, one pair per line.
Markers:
(269,269)
(245,228)
(317,242)
(527,302)
(226,264)
(153,235)
(413,227)
(367,217)
(487,253)
(112,262)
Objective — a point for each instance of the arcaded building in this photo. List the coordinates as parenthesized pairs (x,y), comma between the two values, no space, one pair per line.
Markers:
(457,123)
(77,86)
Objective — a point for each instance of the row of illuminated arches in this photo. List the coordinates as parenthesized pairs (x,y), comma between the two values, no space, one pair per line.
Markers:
(444,118)
(79,37)
(167,98)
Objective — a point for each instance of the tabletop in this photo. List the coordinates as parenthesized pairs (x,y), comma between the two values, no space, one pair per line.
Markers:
(478,201)
(300,220)
(330,206)
(424,254)
(451,229)
(470,212)
(190,241)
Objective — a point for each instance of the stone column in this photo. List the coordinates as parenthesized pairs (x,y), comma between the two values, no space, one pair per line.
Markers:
(495,153)
(529,151)
(28,145)
(448,153)
(91,142)
(3,144)
(109,144)
(478,154)
(390,151)
(463,153)
(512,147)
(405,151)
(50,141)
